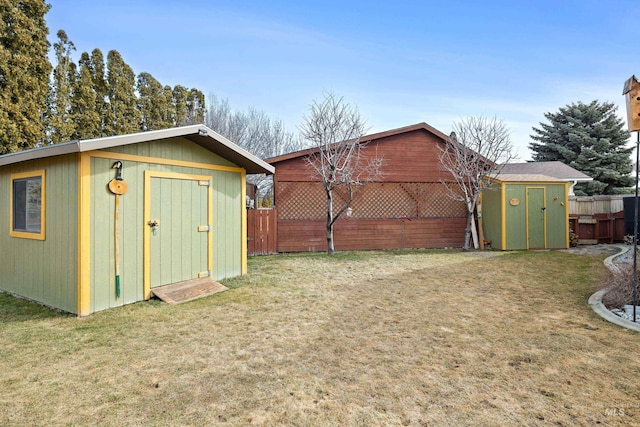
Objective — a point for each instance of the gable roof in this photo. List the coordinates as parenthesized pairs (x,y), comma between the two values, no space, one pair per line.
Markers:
(555,169)
(372,137)
(525,177)
(199,134)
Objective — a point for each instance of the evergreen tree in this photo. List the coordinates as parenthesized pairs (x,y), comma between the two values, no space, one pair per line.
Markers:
(61,122)
(196,107)
(151,103)
(101,89)
(24,74)
(121,82)
(591,139)
(168,110)
(84,102)
(180,94)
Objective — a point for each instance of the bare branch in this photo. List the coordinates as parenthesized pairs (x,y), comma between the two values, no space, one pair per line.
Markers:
(478,149)
(336,129)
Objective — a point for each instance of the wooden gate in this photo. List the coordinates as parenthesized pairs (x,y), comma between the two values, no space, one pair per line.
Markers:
(262,231)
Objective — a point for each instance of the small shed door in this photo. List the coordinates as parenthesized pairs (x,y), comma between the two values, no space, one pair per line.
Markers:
(536,217)
(178,228)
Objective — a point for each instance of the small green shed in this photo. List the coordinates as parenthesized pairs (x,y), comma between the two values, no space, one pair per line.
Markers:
(181,215)
(526,211)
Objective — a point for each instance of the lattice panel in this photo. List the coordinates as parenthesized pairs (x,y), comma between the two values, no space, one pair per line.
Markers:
(307,201)
(383,200)
(301,200)
(436,201)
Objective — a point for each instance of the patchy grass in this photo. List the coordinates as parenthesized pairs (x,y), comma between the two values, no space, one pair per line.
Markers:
(358,339)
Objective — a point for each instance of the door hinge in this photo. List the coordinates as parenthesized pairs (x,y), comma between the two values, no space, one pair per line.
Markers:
(204,274)
(204,183)
(204,228)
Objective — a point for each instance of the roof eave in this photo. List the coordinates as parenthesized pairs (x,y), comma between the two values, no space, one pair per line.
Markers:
(199,134)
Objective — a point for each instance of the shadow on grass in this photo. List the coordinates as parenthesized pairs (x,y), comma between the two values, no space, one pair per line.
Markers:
(15,309)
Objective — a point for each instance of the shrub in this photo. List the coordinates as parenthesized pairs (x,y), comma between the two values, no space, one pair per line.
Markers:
(620,284)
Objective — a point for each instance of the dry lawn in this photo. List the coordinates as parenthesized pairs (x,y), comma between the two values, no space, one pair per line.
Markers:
(358,339)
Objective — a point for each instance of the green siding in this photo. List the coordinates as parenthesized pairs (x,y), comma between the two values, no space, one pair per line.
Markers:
(179,250)
(536,218)
(44,271)
(556,216)
(492,216)
(227,219)
(516,217)
(175,149)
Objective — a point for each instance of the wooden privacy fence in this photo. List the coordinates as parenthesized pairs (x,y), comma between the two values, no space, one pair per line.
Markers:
(597,219)
(262,231)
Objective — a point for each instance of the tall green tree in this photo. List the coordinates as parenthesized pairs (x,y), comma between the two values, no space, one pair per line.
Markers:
(121,82)
(61,120)
(180,94)
(196,107)
(168,111)
(151,103)
(590,138)
(101,88)
(84,102)
(24,74)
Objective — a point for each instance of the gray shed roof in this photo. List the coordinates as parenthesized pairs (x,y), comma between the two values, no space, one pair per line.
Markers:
(554,169)
(199,134)
(526,177)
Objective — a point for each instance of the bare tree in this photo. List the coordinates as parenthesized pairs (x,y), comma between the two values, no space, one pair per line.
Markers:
(254,131)
(479,148)
(335,128)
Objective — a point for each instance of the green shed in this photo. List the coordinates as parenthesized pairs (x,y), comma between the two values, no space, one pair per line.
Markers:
(526,211)
(180,215)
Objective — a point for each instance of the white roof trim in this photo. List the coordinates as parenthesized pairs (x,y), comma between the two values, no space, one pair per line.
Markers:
(135,138)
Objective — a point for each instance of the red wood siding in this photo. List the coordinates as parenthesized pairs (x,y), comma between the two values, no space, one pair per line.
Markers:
(303,236)
(408,157)
(409,208)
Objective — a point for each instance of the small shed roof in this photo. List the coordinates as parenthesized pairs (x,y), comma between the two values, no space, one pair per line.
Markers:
(199,134)
(526,177)
(555,169)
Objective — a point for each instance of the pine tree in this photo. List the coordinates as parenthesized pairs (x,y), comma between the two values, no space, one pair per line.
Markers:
(121,82)
(590,138)
(24,74)
(168,111)
(84,102)
(180,94)
(196,107)
(101,89)
(150,102)
(61,121)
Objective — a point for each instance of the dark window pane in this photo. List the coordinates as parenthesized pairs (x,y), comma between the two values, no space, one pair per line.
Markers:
(27,204)
(34,203)
(19,205)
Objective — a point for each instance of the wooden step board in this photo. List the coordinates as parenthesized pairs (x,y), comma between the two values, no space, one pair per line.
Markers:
(177,293)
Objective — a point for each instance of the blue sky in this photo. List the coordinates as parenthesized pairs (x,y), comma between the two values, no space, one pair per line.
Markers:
(400,62)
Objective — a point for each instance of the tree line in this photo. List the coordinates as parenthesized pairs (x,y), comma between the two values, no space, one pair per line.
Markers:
(42,104)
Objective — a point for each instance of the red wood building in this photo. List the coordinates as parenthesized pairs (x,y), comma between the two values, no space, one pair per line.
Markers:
(410,207)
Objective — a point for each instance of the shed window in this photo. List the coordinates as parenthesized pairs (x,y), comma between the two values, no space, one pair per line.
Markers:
(28,205)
